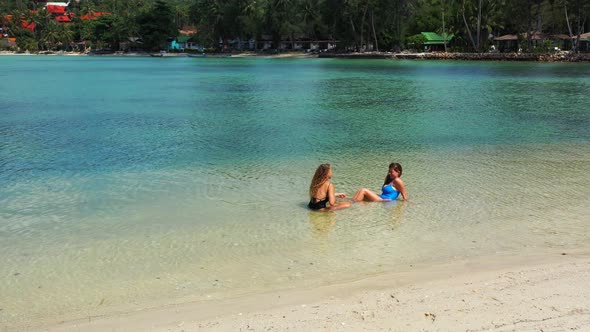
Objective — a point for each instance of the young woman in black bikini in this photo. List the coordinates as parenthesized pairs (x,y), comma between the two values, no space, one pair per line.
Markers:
(321,191)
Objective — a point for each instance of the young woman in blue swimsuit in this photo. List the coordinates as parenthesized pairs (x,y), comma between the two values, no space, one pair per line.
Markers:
(392,187)
(321,191)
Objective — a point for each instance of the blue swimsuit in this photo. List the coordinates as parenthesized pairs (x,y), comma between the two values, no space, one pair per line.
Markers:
(389,192)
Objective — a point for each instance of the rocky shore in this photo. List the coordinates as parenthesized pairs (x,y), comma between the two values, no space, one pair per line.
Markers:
(545,57)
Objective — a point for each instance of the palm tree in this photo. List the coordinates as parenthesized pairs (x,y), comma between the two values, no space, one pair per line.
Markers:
(208,14)
(88,8)
(51,35)
(66,35)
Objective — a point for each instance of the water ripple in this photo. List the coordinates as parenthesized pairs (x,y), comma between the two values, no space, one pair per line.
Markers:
(153,192)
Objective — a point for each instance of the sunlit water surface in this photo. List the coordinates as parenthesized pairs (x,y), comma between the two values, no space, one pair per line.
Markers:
(133,181)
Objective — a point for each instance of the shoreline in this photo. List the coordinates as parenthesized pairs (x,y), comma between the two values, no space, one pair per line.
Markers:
(498,293)
(533,57)
(518,57)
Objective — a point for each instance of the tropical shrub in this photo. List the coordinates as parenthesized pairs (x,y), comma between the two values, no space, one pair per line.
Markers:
(416,42)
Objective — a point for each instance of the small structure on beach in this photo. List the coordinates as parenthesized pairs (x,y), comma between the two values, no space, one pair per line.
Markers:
(131,44)
(516,42)
(302,43)
(506,43)
(435,42)
(264,42)
(183,43)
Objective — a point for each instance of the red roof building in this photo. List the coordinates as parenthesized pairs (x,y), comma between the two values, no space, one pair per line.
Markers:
(63,18)
(57,7)
(24,24)
(93,16)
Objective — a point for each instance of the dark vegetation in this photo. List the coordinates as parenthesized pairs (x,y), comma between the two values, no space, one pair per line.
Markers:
(356,25)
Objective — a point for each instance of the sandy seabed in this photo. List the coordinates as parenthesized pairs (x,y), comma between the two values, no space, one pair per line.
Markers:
(546,292)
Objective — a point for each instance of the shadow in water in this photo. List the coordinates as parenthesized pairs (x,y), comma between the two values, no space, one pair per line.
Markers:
(396,212)
(322,223)
(388,214)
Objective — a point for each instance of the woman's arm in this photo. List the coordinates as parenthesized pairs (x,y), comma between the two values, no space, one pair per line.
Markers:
(399,185)
(331,195)
(332,199)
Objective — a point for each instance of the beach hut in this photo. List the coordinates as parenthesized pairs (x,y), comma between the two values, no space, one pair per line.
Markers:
(515,43)
(178,43)
(183,43)
(322,45)
(566,42)
(131,44)
(506,43)
(192,44)
(560,41)
(436,42)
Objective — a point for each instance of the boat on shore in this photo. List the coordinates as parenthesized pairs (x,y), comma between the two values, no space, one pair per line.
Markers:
(210,55)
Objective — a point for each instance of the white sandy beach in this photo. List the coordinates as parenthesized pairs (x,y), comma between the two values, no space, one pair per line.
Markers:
(545,292)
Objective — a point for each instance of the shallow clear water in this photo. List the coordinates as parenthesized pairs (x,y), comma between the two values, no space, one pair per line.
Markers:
(133,181)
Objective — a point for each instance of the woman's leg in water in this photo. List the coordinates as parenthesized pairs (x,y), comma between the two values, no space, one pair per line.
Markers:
(366,194)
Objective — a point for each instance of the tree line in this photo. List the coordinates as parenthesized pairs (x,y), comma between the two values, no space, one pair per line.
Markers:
(385,25)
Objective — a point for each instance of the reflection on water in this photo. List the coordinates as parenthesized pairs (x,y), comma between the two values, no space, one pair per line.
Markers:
(322,223)
(397,212)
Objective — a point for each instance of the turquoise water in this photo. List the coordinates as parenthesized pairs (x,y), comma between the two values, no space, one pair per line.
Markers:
(126,182)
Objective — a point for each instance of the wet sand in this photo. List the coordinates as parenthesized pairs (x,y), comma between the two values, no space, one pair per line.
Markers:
(504,292)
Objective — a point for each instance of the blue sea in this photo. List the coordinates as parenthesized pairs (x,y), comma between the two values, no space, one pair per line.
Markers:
(128,182)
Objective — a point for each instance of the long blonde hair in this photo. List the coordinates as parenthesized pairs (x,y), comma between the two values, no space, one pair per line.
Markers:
(319,178)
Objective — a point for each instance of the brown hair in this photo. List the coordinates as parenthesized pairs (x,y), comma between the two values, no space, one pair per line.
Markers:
(396,167)
(319,178)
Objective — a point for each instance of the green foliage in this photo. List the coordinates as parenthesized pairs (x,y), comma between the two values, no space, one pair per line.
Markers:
(353,23)
(25,41)
(416,42)
(209,16)
(428,16)
(4,44)
(545,47)
(85,30)
(108,31)
(157,25)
